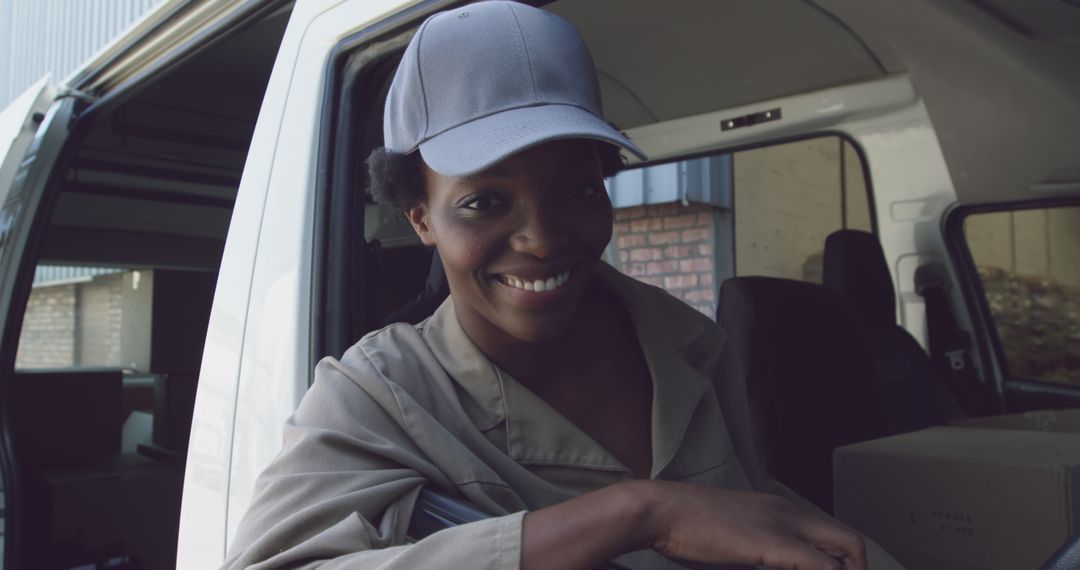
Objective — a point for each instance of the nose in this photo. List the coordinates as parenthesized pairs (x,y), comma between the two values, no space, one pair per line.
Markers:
(540,232)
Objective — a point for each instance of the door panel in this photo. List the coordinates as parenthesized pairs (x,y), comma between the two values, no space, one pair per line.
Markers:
(23,215)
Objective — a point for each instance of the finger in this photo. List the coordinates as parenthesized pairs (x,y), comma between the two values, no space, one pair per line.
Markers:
(796,555)
(709,566)
(838,542)
(849,563)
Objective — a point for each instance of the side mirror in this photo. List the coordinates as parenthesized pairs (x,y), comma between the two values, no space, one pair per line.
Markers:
(1066,557)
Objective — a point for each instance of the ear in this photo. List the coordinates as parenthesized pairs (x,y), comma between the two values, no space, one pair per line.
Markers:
(421,223)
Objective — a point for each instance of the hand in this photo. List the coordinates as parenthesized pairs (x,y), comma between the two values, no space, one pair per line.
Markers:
(700,524)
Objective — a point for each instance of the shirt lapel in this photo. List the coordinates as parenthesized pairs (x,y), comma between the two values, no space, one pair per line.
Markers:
(664,326)
(466,365)
(536,433)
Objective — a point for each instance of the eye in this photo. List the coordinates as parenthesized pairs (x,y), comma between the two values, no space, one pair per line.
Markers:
(482,202)
(584,191)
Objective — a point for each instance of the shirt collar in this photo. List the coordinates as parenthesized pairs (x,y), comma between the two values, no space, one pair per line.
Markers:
(538,434)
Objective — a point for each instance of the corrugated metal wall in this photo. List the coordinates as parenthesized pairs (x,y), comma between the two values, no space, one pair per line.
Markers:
(53,274)
(39,36)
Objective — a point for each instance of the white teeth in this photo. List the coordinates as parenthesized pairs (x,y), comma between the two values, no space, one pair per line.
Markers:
(539,285)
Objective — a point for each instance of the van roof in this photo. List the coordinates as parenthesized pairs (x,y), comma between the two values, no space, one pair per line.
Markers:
(998,77)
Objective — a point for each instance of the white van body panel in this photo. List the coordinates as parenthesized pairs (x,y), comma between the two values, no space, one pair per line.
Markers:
(911,191)
(263,298)
(206,483)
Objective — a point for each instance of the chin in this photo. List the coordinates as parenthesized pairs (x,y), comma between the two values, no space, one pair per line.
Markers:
(543,329)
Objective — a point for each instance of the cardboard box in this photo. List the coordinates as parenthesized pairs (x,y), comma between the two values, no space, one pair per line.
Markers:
(996,493)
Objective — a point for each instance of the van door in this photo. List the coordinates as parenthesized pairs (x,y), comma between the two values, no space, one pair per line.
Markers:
(257,362)
(38,129)
(18,124)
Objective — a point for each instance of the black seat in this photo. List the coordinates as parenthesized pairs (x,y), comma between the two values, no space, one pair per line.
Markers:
(807,371)
(436,290)
(913,394)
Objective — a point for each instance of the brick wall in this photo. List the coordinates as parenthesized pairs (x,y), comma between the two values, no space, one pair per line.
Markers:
(670,246)
(788,200)
(48,333)
(101,322)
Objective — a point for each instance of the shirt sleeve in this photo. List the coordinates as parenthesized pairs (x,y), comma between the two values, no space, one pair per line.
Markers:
(342,490)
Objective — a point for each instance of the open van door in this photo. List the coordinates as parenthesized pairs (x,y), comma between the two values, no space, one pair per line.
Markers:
(33,130)
(18,124)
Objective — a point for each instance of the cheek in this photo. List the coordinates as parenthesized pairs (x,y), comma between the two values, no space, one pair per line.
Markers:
(466,250)
(596,229)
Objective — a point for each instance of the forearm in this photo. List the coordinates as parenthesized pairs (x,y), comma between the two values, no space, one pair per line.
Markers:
(589,530)
(689,523)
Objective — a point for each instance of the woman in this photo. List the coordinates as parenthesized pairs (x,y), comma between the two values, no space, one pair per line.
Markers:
(536,389)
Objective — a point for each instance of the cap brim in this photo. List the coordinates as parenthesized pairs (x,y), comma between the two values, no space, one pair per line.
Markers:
(479,144)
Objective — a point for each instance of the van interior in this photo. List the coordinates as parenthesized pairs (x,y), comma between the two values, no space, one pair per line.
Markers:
(148,186)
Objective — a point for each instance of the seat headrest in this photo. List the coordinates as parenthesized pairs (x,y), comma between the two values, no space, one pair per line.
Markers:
(855,265)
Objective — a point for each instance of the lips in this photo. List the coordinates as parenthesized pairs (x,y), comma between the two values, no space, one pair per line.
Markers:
(539,284)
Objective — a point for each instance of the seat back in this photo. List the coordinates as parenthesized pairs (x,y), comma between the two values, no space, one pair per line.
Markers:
(436,290)
(807,374)
(915,396)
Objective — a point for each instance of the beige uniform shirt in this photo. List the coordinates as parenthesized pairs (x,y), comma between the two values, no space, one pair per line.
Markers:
(413,405)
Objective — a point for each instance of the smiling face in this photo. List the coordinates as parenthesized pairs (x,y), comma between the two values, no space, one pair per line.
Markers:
(520,240)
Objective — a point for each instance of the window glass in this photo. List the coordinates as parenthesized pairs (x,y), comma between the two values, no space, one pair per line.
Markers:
(1029,265)
(87,316)
(687,226)
(789,198)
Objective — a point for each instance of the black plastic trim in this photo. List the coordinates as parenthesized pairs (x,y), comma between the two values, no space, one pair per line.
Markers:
(434,512)
(152,195)
(338,260)
(1025,395)
(158,172)
(43,182)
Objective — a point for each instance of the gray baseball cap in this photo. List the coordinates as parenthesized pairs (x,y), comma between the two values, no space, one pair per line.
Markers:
(484,81)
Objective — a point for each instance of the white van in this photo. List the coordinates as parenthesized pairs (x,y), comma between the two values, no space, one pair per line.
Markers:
(215,155)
